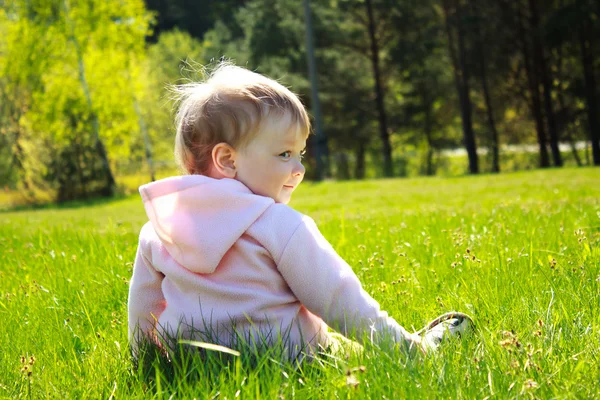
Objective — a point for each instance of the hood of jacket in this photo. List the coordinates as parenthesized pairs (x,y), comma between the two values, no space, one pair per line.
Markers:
(198,219)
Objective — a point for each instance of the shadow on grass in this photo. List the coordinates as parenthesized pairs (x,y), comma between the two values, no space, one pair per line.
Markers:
(185,368)
(67,205)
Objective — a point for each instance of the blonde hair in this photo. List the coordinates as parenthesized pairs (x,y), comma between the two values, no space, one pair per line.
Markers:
(229,106)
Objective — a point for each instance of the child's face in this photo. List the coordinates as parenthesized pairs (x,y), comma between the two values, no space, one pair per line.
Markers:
(270,165)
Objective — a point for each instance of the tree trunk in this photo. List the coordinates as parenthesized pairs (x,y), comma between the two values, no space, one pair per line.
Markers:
(466,106)
(361,151)
(567,130)
(536,105)
(587,60)
(388,167)
(562,107)
(144,130)
(110,187)
(429,170)
(343,168)
(587,154)
(573,148)
(461,76)
(542,68)
(14,114)
(79,163)
(486,94)
(321,148)
(17,161)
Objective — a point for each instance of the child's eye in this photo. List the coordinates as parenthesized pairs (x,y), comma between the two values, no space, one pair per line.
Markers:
(302,153)
(286,154)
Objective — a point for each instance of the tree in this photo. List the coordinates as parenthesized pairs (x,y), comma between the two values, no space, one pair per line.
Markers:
(420,54)
(541,68)
(388,167)
(578,81)
(483,79)
(25,54)
(80,108)
(321,151)
(455,25)
(193,17)
(589,73)
(110,187)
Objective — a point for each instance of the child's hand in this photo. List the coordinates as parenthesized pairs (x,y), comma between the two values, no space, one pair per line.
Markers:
(419,345)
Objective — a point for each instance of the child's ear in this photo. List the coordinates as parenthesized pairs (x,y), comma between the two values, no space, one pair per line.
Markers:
(223,157)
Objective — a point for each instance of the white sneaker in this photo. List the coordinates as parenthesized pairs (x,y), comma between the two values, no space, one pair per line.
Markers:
(452,324)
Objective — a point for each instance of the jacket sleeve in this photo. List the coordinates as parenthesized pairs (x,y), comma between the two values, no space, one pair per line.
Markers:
(146,301)
(326,285)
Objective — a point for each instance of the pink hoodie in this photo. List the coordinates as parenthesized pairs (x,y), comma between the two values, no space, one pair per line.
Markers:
(216,259)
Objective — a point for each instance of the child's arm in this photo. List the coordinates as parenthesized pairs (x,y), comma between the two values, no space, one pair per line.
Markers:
(146,300)
(326,285)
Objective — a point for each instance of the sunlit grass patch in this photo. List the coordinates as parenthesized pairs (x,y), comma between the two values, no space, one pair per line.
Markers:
(520,252)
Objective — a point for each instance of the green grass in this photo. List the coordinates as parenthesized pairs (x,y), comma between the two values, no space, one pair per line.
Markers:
(520,252)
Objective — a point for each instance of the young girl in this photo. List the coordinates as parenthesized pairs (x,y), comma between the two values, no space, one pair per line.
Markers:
(223,259)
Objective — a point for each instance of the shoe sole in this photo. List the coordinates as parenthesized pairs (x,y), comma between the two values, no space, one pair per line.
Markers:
(444,317)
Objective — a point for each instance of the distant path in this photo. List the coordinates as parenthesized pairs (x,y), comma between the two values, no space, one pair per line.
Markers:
(514,148)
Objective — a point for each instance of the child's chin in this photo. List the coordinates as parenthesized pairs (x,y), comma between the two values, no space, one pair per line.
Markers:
(283,200)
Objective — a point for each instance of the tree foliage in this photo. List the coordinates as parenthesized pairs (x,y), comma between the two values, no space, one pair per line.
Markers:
(69,89)
(409,79)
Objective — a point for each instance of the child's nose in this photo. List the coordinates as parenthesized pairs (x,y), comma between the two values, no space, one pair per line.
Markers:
(299,169)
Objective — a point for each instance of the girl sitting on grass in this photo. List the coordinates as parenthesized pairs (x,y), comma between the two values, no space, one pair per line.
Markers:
(224,260)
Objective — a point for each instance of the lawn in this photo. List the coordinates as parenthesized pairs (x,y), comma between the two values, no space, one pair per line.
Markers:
(520,252)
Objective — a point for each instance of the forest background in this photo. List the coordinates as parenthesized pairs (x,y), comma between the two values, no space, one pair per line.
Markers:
(428,87)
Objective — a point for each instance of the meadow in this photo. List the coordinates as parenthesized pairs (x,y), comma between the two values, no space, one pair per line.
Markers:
(520,252)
